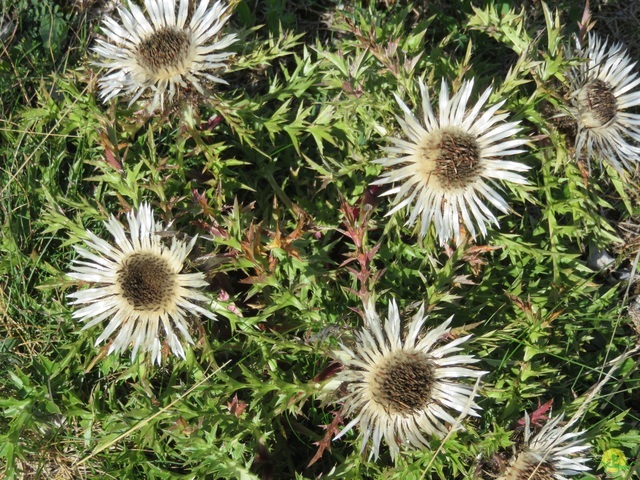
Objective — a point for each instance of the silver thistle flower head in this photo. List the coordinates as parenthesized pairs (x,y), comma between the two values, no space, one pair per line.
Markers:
(138,288)
(401,389)
(603,87)
(162,51)
(551,454)
(445,172)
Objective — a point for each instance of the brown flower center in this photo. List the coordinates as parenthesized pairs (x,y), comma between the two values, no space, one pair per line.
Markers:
(166,49)
(453,157)
(147,281)
(527,467)
(403,384)
(598,105)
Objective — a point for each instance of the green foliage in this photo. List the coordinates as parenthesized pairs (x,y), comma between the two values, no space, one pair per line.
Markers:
(274,176)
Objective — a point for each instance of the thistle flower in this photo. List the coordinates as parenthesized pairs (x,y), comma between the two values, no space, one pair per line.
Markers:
(548,455)
(602,89)
(139,287)
(449,164)
(554,452)
(401,389)
(162,52)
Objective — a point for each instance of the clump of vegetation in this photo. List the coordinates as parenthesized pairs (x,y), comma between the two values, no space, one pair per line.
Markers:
(204,205)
